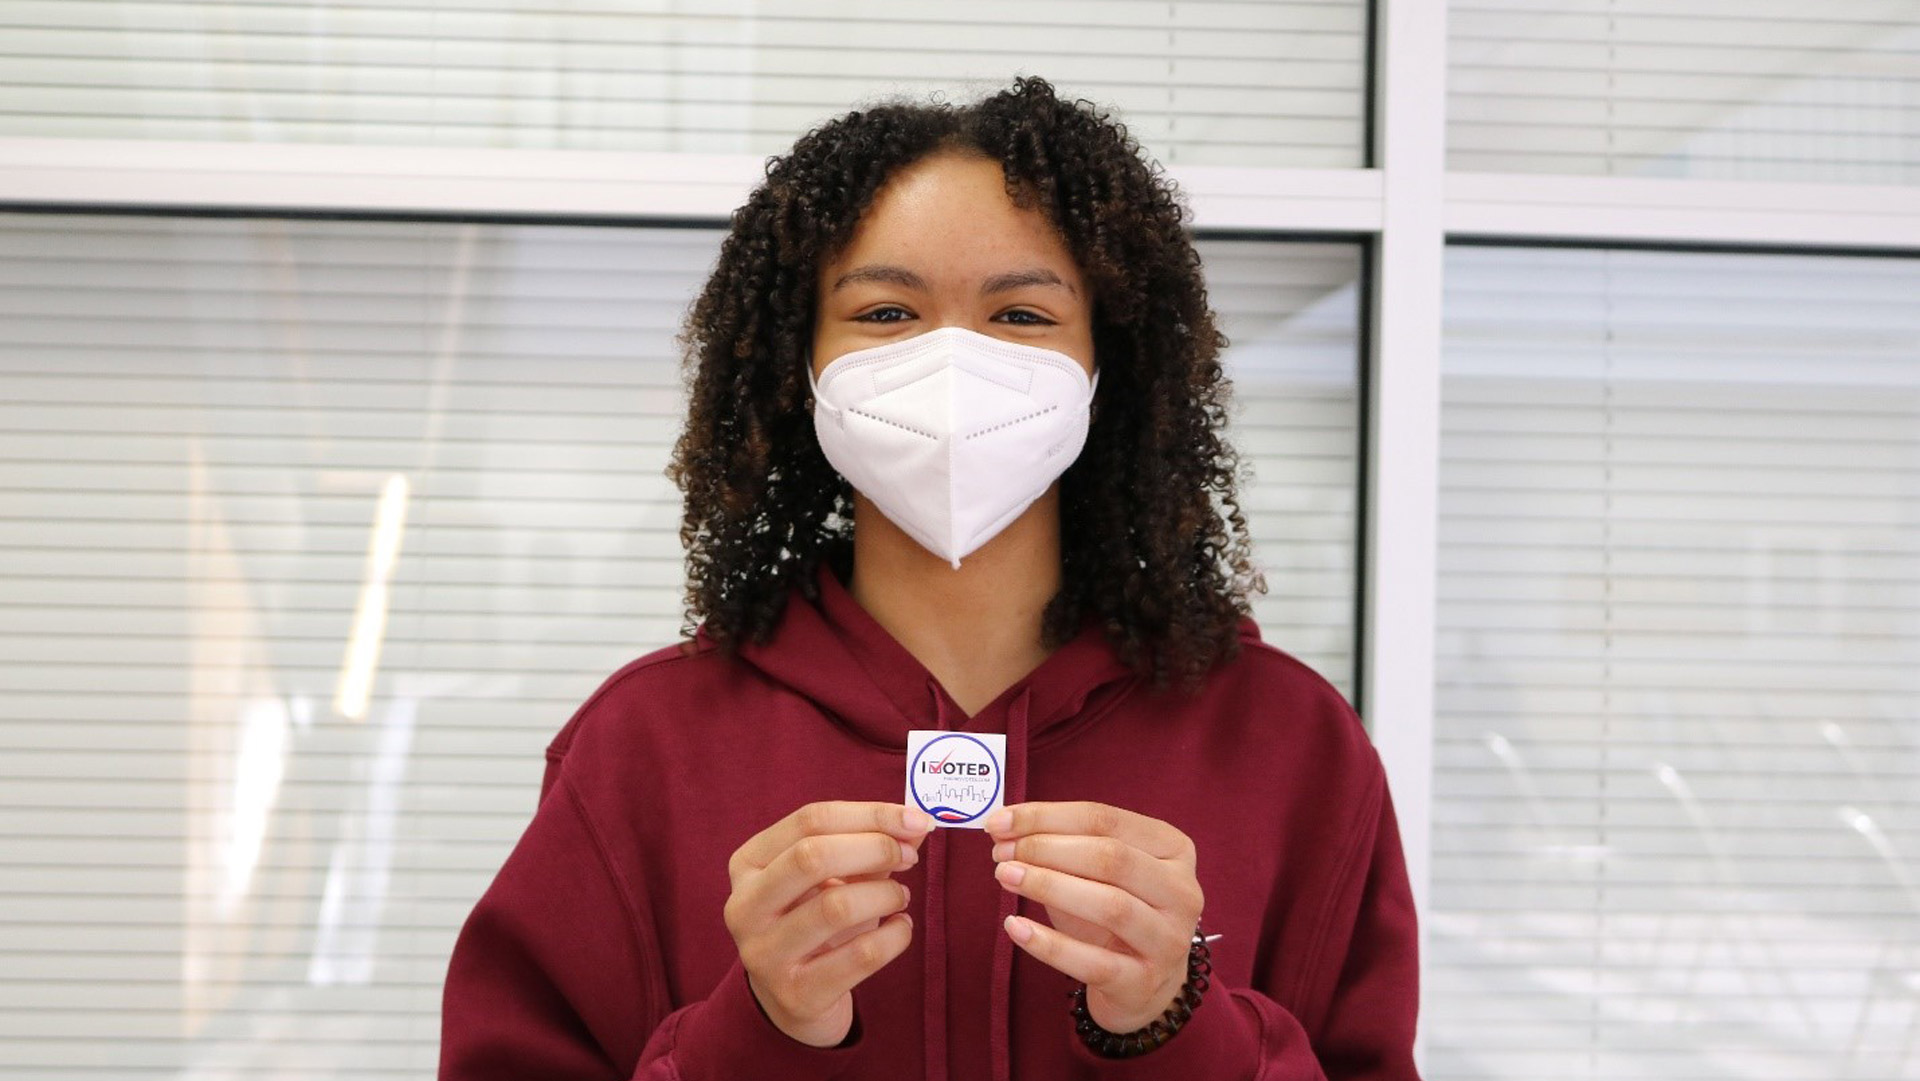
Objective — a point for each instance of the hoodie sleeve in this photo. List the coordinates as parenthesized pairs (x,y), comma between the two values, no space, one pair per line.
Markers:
(548,981)
(1364,985)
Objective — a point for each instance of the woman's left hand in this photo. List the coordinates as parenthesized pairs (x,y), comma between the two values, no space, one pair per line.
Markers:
(1121,893)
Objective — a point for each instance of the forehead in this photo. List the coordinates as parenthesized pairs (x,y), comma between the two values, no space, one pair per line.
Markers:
(954,206)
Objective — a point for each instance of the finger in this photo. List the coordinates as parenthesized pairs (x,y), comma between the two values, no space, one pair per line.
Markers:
(837,880)
(844,937)
(1145,930)
(814,859)
(801,932)
(1165,884)
(837,971)
(1152,836)
(910,824)
(1090,964)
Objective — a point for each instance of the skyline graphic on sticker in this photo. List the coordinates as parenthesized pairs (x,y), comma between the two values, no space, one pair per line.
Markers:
(957,777)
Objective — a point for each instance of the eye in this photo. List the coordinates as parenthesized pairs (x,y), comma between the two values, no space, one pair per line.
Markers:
(868,317)
(1038,319)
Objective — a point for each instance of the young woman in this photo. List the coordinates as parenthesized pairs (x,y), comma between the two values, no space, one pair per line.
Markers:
(954,464)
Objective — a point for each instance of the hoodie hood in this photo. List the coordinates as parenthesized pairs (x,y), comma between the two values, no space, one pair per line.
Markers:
(819,642)
(818,646)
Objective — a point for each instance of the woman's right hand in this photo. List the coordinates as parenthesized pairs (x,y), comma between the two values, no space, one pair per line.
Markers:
(815,909)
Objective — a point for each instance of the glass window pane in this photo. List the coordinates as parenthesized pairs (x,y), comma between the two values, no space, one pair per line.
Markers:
(1292,312)
(1715,89)
(237,843)
(1677,754)
(1279,82)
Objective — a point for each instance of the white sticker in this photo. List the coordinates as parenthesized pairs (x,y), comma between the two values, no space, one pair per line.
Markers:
(957,777)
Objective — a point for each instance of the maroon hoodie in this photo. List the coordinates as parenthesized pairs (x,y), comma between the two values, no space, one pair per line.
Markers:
(600,952)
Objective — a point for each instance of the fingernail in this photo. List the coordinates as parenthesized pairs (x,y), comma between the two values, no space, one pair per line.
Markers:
(1003,851)
(1010,873)
(907,854)
(918,821)
(1017,928)
(1000,821)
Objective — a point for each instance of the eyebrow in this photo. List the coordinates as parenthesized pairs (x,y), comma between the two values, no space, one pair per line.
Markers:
(998,283)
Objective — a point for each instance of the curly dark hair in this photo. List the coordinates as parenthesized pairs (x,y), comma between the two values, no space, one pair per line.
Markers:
(1153,541)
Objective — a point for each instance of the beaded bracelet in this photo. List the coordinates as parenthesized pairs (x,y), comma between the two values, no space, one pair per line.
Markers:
(1142,1040)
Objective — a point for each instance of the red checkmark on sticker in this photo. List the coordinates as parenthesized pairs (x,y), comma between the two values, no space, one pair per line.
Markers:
(944,761)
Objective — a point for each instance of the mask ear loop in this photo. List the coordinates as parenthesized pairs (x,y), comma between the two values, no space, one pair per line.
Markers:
(834,413)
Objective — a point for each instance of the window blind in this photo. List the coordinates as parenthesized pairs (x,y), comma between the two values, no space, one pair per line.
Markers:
(1229,83)
(1292,312)
(1720,89)
(1677,752)
(313,533)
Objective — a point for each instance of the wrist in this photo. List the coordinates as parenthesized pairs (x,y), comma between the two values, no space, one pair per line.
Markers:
(835,1028)
(1156,1032)
(1103,1012)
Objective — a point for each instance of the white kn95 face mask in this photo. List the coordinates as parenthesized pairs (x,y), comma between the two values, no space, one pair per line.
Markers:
(952,433)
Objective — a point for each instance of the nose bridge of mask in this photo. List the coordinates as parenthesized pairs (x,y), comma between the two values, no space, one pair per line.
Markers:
(864,374)
(884,378)
(1015,374)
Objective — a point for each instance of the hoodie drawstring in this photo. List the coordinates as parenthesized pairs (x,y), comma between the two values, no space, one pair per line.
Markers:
(934,909)
(1001,1033)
